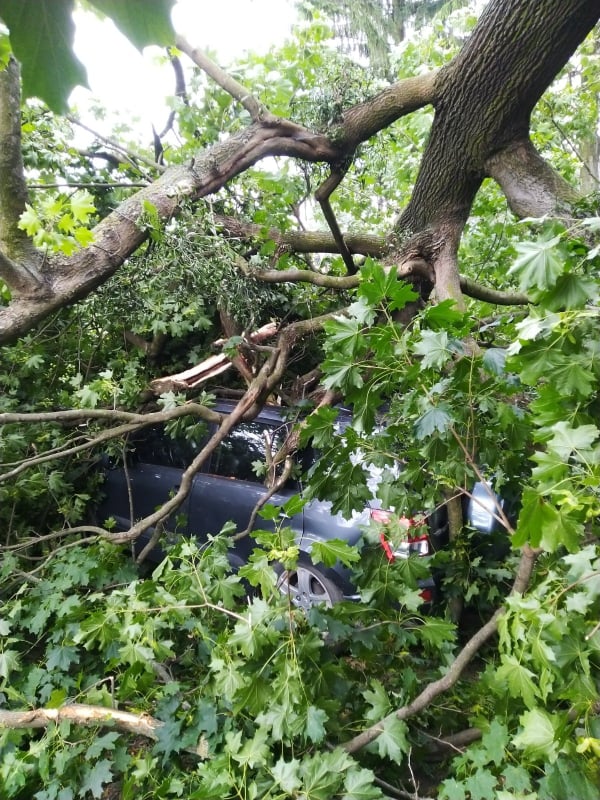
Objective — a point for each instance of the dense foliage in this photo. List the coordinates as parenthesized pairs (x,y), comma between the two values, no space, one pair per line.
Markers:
(185,679)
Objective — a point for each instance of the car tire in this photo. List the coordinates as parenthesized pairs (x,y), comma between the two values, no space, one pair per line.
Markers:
(307,586)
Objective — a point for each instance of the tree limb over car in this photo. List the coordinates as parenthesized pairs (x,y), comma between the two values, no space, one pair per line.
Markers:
(483,100)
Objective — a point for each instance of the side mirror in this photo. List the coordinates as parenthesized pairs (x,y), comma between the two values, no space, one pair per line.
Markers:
(482,510)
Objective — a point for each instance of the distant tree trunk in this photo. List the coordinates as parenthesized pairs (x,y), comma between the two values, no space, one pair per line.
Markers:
(590,171)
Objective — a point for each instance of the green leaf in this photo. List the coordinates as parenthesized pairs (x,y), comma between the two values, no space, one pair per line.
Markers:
(451,789)
(444,315)
(571,291)
(566,779)
(378,700)
(319,426)
(436,631)
(362,312)
(95,778)
(538,321)
(392,741)
(333,550)
(516,778)
(572,377)
(344,336)
(520,680)
(538,264)
(481,785)
(9,662)
(143,22)
(258,571)
(379,284)
(437,418)
(315,724)
(568,441)
(494,360)
(29,220)
(341,373)
(537,736)
(360,785)
(323,773)
(41,36)
(578,602)
(88,398)
(286,775)
(82,206)
(294,505)
(549,470)
(100,743)
(542,525)
(254,752)
(434,347)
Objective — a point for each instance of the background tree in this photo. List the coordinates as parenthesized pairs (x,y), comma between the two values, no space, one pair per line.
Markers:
(485,355)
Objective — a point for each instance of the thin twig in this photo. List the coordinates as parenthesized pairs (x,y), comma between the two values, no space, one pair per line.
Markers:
(134,158)
(77,185)
(322,195)
(227,82)
(464,657)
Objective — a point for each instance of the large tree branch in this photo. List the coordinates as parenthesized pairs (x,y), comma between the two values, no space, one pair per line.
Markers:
(485,96)
(433,690)
(92,717)
(324,242)
(302,241)
(488,295)
(227,82)
(121,233)
(411,268)
(82,714)
(364,120)
(532,188)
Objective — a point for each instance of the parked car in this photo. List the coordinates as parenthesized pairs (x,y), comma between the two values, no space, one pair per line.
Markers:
(228,488)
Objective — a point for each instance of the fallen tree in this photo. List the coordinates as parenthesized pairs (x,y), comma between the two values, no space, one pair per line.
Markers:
(389,321)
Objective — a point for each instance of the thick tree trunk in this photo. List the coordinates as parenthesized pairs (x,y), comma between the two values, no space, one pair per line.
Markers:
(485,98)
(483,102)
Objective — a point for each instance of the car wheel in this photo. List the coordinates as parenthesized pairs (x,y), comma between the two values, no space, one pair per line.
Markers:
(306,587)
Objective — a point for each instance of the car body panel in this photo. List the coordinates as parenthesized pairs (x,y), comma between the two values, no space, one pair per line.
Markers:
(138,491)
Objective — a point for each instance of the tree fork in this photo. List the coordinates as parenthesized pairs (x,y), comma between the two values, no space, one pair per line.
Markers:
(485,97)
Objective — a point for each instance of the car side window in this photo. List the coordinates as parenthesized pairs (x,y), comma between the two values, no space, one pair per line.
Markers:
(235,457)
(155,446)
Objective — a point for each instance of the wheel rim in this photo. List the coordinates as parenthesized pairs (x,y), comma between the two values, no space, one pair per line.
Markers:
(304,588)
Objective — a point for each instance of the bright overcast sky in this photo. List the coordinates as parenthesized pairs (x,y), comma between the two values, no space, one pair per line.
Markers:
(127,82)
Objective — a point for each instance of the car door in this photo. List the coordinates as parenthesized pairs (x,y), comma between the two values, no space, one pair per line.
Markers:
(233,484)
(151,475)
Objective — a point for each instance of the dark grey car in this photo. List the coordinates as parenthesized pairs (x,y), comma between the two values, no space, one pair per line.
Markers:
(228,488)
